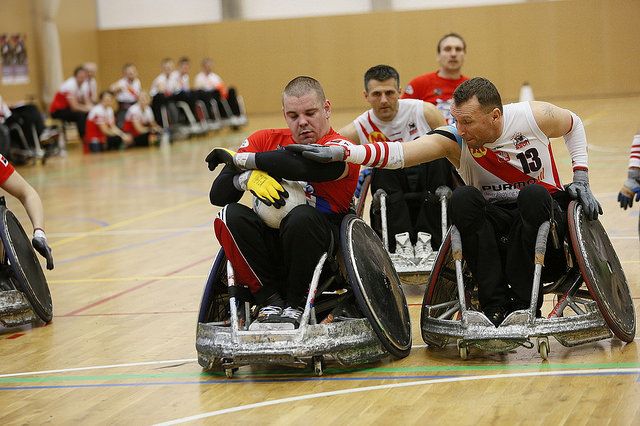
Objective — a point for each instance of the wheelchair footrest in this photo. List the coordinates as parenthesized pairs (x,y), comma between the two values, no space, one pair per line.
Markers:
(15,309)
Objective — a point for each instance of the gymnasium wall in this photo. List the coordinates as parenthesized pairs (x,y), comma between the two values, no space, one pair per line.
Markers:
(564,49)
(77,30)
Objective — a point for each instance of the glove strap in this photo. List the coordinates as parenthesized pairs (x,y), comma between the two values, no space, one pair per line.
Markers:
(240,181)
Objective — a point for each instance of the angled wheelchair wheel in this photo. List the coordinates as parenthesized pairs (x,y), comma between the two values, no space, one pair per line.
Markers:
(27,274)
(376,285)
(441,291)
(214,306)
(602,272)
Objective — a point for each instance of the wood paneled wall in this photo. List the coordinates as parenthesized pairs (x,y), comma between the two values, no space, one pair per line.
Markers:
(563,48)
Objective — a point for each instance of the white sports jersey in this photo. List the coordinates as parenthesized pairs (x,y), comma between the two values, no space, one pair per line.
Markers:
(5,112)
(521,156)
(408,124)
(128,91)
(181,81)
(136,113)
(209,81)
(89,90)
(163,84)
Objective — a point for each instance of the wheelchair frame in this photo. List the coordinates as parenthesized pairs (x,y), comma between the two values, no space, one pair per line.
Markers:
(472,328)
(409,271)
(228,344)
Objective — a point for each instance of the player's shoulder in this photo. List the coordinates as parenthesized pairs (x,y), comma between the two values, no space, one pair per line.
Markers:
(449,131)
(334,138)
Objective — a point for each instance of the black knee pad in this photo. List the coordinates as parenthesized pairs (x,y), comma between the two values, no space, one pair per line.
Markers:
(534,203)
(467,209)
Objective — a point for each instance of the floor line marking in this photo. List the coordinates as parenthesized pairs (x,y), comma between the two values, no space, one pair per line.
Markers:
(394,386)
(125,279)
(99,367)
(130,289)
(127,222)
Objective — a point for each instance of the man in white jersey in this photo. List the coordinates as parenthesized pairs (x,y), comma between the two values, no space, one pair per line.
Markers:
(127,90)
(394,120)
(504,156)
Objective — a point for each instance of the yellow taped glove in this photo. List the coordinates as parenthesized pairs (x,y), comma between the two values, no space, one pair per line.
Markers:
(266,189)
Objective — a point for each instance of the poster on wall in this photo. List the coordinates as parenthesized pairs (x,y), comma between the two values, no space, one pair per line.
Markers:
(15,67)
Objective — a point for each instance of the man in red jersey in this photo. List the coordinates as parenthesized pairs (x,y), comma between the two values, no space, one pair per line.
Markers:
(438,87)
(277,264)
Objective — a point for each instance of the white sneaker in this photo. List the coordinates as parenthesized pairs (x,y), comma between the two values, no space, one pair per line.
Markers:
(403,245)
(423,245)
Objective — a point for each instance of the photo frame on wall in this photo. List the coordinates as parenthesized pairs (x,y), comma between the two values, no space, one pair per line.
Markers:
(15,64)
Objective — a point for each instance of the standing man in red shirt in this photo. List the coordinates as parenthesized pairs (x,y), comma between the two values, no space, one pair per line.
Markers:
(438,87)
(277,264)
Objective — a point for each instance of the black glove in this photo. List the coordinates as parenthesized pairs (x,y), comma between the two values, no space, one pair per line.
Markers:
(220,155)
(579,190)
(39,243)
(319,153)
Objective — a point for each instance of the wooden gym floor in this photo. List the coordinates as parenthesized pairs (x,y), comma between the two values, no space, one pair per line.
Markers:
(132,240)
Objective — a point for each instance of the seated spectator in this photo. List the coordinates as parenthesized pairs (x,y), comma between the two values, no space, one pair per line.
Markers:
(162,89)
(30,120)
(69,103)
(139,122)
(211,86)
(102,133)
(90,86)
(126,90)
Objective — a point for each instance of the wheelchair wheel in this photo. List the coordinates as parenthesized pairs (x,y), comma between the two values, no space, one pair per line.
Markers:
(27,274)
(214,306)
(602,272)
(376,285)
(441,289)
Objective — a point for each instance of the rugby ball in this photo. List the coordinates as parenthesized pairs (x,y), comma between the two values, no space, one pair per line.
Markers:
(272,216)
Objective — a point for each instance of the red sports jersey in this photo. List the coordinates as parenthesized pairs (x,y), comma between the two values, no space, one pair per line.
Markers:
(431,87)
(434,89)
(97,116)
(6,169)
(330,197)
(68,89)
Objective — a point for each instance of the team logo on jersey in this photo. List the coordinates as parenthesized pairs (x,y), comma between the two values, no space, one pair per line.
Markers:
(503,157)
(4,161)
(520,141)
(478,152)
(244,144)
(437,91)
(408,90)
(413,129)
(377,137)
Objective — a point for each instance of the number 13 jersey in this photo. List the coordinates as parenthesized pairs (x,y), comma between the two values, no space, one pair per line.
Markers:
(521,156)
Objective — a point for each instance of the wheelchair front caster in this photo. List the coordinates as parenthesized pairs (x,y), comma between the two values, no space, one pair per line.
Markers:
(317,365)
(463,351)
(543,347)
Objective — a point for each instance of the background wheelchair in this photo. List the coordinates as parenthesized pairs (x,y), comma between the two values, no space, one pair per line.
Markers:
(24,293)
(361,281)
(411,271)
(593,298)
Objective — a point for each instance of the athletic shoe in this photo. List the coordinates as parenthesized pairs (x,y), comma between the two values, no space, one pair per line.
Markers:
(292,316)
(48,133)
(495,315)
(269,313)
(403,245)
(423,245)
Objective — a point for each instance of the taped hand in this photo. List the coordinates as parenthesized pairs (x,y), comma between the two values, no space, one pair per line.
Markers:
(220,155)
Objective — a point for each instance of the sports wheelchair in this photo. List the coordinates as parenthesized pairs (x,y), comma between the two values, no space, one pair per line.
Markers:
(361,280)
(411,271)
(24,293)
(580,315)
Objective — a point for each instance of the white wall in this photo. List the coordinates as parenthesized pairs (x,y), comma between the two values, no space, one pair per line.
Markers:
(278,9)
(443,4)
(114,14)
